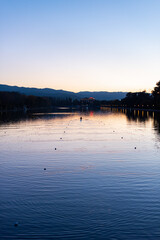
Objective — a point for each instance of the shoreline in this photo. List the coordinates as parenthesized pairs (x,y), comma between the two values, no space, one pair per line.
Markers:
(132,109)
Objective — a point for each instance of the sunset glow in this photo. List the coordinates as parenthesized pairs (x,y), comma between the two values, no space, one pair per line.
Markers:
(80,45)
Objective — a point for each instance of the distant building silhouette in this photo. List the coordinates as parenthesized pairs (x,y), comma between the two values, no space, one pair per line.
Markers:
(87,102)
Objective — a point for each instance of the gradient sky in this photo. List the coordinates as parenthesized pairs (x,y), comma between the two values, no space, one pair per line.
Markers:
(95,45)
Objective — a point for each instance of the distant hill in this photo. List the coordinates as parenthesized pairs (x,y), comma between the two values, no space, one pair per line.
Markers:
(103,95)
(48,92)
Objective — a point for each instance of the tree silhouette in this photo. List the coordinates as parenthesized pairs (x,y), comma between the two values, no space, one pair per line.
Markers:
(138,99)
(156,95)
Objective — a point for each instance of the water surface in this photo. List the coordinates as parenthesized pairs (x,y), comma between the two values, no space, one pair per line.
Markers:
(102,177)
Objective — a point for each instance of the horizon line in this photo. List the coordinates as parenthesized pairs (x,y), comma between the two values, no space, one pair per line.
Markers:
(41,88)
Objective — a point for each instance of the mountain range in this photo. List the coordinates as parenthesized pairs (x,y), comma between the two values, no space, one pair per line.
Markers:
(48,92)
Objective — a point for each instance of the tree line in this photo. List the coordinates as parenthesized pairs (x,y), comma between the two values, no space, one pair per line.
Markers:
(140,100)
(17,101)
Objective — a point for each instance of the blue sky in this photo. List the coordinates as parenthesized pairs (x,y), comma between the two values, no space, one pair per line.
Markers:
(107,45)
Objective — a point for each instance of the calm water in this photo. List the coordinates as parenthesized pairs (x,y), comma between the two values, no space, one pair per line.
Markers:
(102,177)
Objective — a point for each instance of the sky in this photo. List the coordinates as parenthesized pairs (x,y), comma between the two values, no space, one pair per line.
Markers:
(79,45)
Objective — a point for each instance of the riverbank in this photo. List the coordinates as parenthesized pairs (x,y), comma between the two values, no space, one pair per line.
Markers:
(130,108)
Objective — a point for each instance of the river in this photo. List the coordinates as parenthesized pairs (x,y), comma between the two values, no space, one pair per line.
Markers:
(80,175)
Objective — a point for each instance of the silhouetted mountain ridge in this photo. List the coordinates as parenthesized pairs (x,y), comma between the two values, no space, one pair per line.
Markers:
(48,92)
(103,95)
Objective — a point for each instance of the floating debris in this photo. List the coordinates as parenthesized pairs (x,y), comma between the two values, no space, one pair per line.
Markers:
(16,224)
(55,149)
(60,138)
(121,137)
(44,168)
(135,148)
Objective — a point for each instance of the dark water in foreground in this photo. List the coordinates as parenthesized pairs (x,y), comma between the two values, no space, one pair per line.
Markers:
(101,182)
